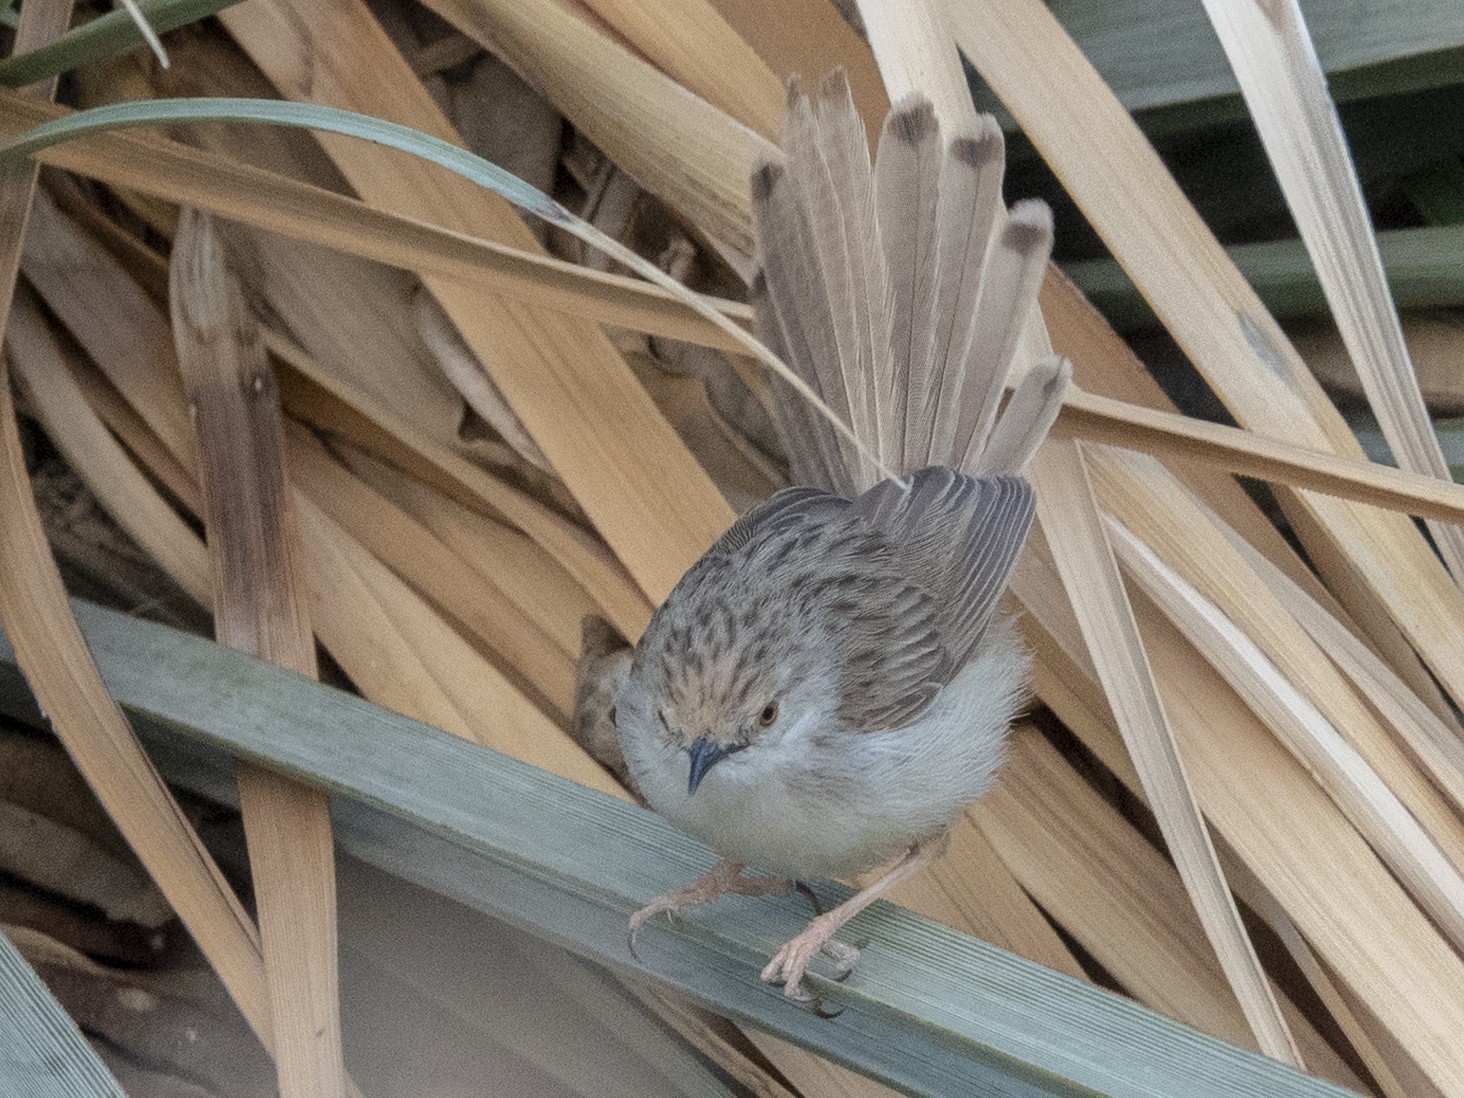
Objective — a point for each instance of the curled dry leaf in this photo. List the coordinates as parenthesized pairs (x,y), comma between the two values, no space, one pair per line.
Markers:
(470,379)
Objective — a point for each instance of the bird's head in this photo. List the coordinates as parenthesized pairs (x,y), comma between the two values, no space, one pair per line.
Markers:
(716,676)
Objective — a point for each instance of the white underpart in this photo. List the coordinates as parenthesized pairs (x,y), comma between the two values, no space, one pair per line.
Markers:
(764,806)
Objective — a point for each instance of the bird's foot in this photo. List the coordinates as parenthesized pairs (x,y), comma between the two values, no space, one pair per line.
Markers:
(672,903)
(724,877)
(790,964)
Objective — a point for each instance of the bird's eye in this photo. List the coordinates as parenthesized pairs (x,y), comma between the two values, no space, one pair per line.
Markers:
(768,715)
(612,714)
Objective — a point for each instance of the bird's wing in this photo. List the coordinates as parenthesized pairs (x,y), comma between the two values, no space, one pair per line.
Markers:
(894,660)
(957,538)
(780,510)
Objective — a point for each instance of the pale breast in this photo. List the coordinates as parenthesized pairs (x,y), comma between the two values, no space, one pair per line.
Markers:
(821,803)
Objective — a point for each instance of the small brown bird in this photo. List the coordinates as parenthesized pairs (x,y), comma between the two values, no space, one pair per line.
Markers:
(830,686)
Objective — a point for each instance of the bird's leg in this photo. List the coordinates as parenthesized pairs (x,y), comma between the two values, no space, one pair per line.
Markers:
(725,876)
(790,963)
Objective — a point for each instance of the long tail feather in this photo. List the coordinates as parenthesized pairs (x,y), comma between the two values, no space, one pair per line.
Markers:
(907,178)
(1009,287)
(1028,417)
(970,199)
(822,203)
(809,445)
(799,303)
(846,154)
(830,171)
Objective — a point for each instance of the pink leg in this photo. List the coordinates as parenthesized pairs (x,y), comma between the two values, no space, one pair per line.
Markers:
(725,876)
(790,963)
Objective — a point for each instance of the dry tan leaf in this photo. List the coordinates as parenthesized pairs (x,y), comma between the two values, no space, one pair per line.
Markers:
(52,654)
(1119,897)
(518,643)
(1374,807)
(1105,162)
(1260,799)
(315,397)
(259,603)
(1282,80)
(674,144)
(96,456)
(501,557)
(574,394)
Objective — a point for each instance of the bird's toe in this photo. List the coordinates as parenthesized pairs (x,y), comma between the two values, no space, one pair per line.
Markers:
(843,956)
(786,969)
(660,904)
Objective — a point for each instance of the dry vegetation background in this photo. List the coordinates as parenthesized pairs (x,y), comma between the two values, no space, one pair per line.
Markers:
(479,451)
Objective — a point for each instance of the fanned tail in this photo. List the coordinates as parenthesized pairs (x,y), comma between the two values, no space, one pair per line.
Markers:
(899,291)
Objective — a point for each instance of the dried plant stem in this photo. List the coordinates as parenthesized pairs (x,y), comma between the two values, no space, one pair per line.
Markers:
(438,573)
(502,557)
(1119,897)
(396,648)
(1069,515)
(399,651)
(673,33)
(243,192)
(260,608)
(1130,426)
(177,173)
(572,391)
(676,145)
(1154,507)
(1283,84)
(83,439)
(1373,806)
(1436,742)
(1334,996)
(316,397)
(54,657)
(1260,799)
(1109,367)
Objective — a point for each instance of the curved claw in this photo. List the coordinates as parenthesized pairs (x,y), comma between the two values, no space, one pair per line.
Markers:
(640,918)
(801,994)
(817,1008)
(813,900)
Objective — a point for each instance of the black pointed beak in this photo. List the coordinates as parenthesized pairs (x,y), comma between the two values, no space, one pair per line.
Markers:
(704,755)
